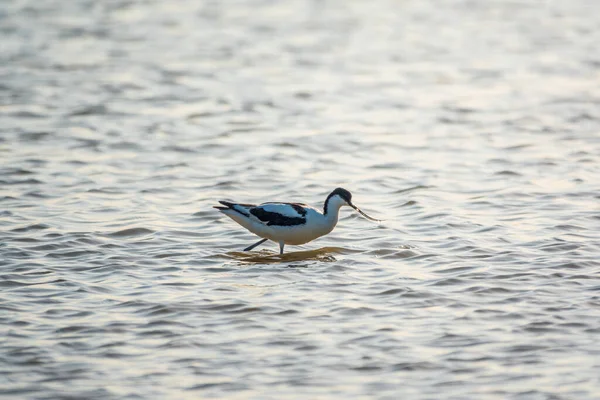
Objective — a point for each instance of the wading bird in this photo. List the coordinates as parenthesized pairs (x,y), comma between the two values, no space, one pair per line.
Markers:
(289,223)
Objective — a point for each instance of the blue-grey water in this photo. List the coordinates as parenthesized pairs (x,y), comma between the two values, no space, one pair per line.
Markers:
(471,127)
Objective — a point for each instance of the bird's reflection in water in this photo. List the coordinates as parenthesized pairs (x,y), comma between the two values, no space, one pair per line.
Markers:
(325,254)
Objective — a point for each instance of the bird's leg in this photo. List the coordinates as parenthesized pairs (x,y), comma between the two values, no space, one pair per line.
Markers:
(281,244)
(261,241)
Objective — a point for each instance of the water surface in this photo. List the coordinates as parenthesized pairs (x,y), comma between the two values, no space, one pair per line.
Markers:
(471,128)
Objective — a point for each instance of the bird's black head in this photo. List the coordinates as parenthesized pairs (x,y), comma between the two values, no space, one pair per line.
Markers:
(342,193)
(346,197)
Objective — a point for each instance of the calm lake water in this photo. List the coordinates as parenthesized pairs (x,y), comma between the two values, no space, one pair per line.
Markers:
(472,128)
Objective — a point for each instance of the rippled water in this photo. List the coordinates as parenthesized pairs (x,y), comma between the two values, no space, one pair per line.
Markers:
(472,128)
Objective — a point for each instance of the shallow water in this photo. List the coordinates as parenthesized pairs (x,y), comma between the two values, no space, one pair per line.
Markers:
(471,128)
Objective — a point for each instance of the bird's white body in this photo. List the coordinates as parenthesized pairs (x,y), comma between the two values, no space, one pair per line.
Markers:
(289,223)
(316,224)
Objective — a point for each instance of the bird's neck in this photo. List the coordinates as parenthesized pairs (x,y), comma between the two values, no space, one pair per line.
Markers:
(329,221)
(331,211)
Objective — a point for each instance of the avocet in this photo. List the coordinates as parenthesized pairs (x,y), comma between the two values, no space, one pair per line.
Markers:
(289,223)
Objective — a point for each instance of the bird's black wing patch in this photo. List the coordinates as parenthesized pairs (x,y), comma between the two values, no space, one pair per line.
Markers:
(298,207)
(273,218)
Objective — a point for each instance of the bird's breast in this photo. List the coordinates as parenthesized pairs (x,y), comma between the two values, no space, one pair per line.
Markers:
(305,233)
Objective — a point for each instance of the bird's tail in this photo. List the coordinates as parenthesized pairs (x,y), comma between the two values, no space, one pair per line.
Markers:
(236,207)
(228,206)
